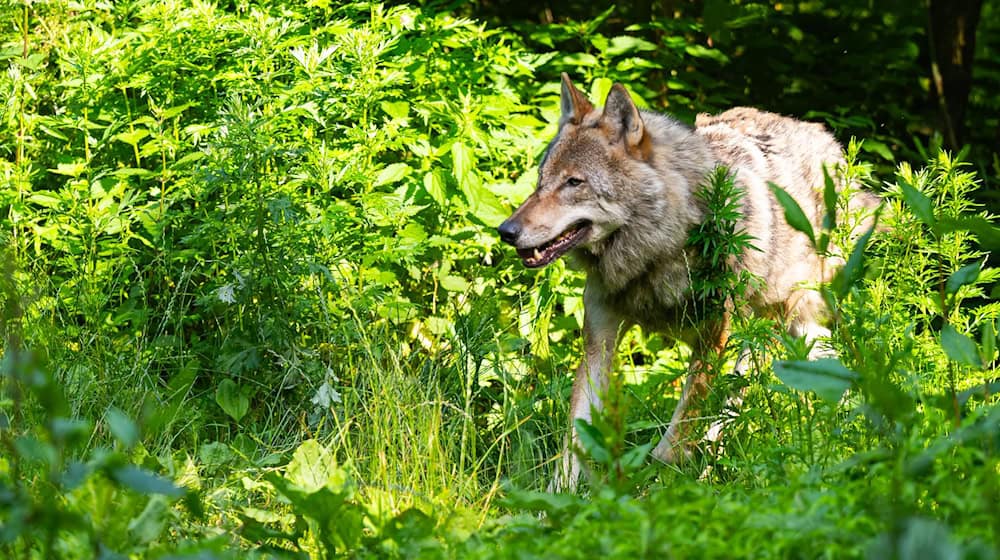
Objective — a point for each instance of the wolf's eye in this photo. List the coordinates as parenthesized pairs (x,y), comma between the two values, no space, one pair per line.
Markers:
(574,182)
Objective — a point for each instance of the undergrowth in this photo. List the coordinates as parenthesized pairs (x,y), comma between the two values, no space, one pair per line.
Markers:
(253,306)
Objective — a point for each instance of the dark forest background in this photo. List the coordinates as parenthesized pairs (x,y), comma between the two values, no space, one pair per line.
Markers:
(908,76)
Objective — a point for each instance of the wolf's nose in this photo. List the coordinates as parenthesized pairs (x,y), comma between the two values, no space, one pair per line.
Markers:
(509,231)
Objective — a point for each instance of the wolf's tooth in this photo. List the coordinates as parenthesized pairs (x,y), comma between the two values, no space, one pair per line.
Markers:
(538,255)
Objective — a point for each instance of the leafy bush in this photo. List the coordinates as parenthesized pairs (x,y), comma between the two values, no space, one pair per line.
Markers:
(251,250)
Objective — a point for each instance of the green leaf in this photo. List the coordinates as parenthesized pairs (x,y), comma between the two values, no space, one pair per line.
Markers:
(74,169)
(454,283)
(392,173)
(435,186)
(635,457)
(600,88)
(793,212)
(592,441)
(396,109)
(919,203)
(853,270)
(826,377)
(122,427)
(626,44)
(959,347)
(876,147)
(313,467)
(988,342)
(133,137)
(148,526)
(987,233)
(45,199)
(145,482)
(232,400)
(968,274)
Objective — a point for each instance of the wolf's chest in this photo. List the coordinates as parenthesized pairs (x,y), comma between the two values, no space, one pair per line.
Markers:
(657,300)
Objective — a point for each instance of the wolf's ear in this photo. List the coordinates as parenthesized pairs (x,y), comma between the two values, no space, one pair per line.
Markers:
(573,102)
(621,116)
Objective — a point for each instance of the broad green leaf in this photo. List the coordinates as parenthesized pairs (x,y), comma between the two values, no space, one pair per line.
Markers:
(959,347)
(232,400)
(600,88)
(132,137)
(313,467)
(463,160)
(396,109)
(392,173)
(968,274)
(435,186)
(454,283)
(635,457)
(148,526)
(45,199)
(592,441)
(74,169)
(122,427)
(145,482)
(626,44)
(793,212)
(826,377)
(918,203)
(876,147)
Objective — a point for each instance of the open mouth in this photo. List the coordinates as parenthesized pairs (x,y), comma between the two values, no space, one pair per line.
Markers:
(542,255)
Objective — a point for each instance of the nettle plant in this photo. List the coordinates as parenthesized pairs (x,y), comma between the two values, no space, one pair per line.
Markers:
(223,190)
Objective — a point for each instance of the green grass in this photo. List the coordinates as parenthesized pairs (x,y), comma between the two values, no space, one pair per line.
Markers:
(254,306)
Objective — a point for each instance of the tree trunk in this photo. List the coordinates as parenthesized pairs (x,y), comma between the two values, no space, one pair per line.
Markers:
(951,29)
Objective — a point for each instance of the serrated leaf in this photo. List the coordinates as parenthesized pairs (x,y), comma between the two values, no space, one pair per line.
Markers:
(968,274)
(592,441)
(918,203)
(826,377)
(231,399)
(794,215)
(435,186)
(959,347)
(392,173)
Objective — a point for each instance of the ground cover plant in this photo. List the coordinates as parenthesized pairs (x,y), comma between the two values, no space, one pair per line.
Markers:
(253,305)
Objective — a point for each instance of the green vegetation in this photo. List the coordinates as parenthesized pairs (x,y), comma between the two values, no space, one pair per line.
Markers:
(253,304)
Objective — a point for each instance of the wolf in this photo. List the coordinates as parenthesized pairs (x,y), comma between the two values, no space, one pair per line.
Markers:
(616,188)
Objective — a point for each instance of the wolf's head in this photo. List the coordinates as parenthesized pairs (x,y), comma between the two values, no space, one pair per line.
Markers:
(587,180)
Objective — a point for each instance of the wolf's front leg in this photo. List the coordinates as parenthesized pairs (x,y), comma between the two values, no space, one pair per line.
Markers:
(708,349)
(600,332)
